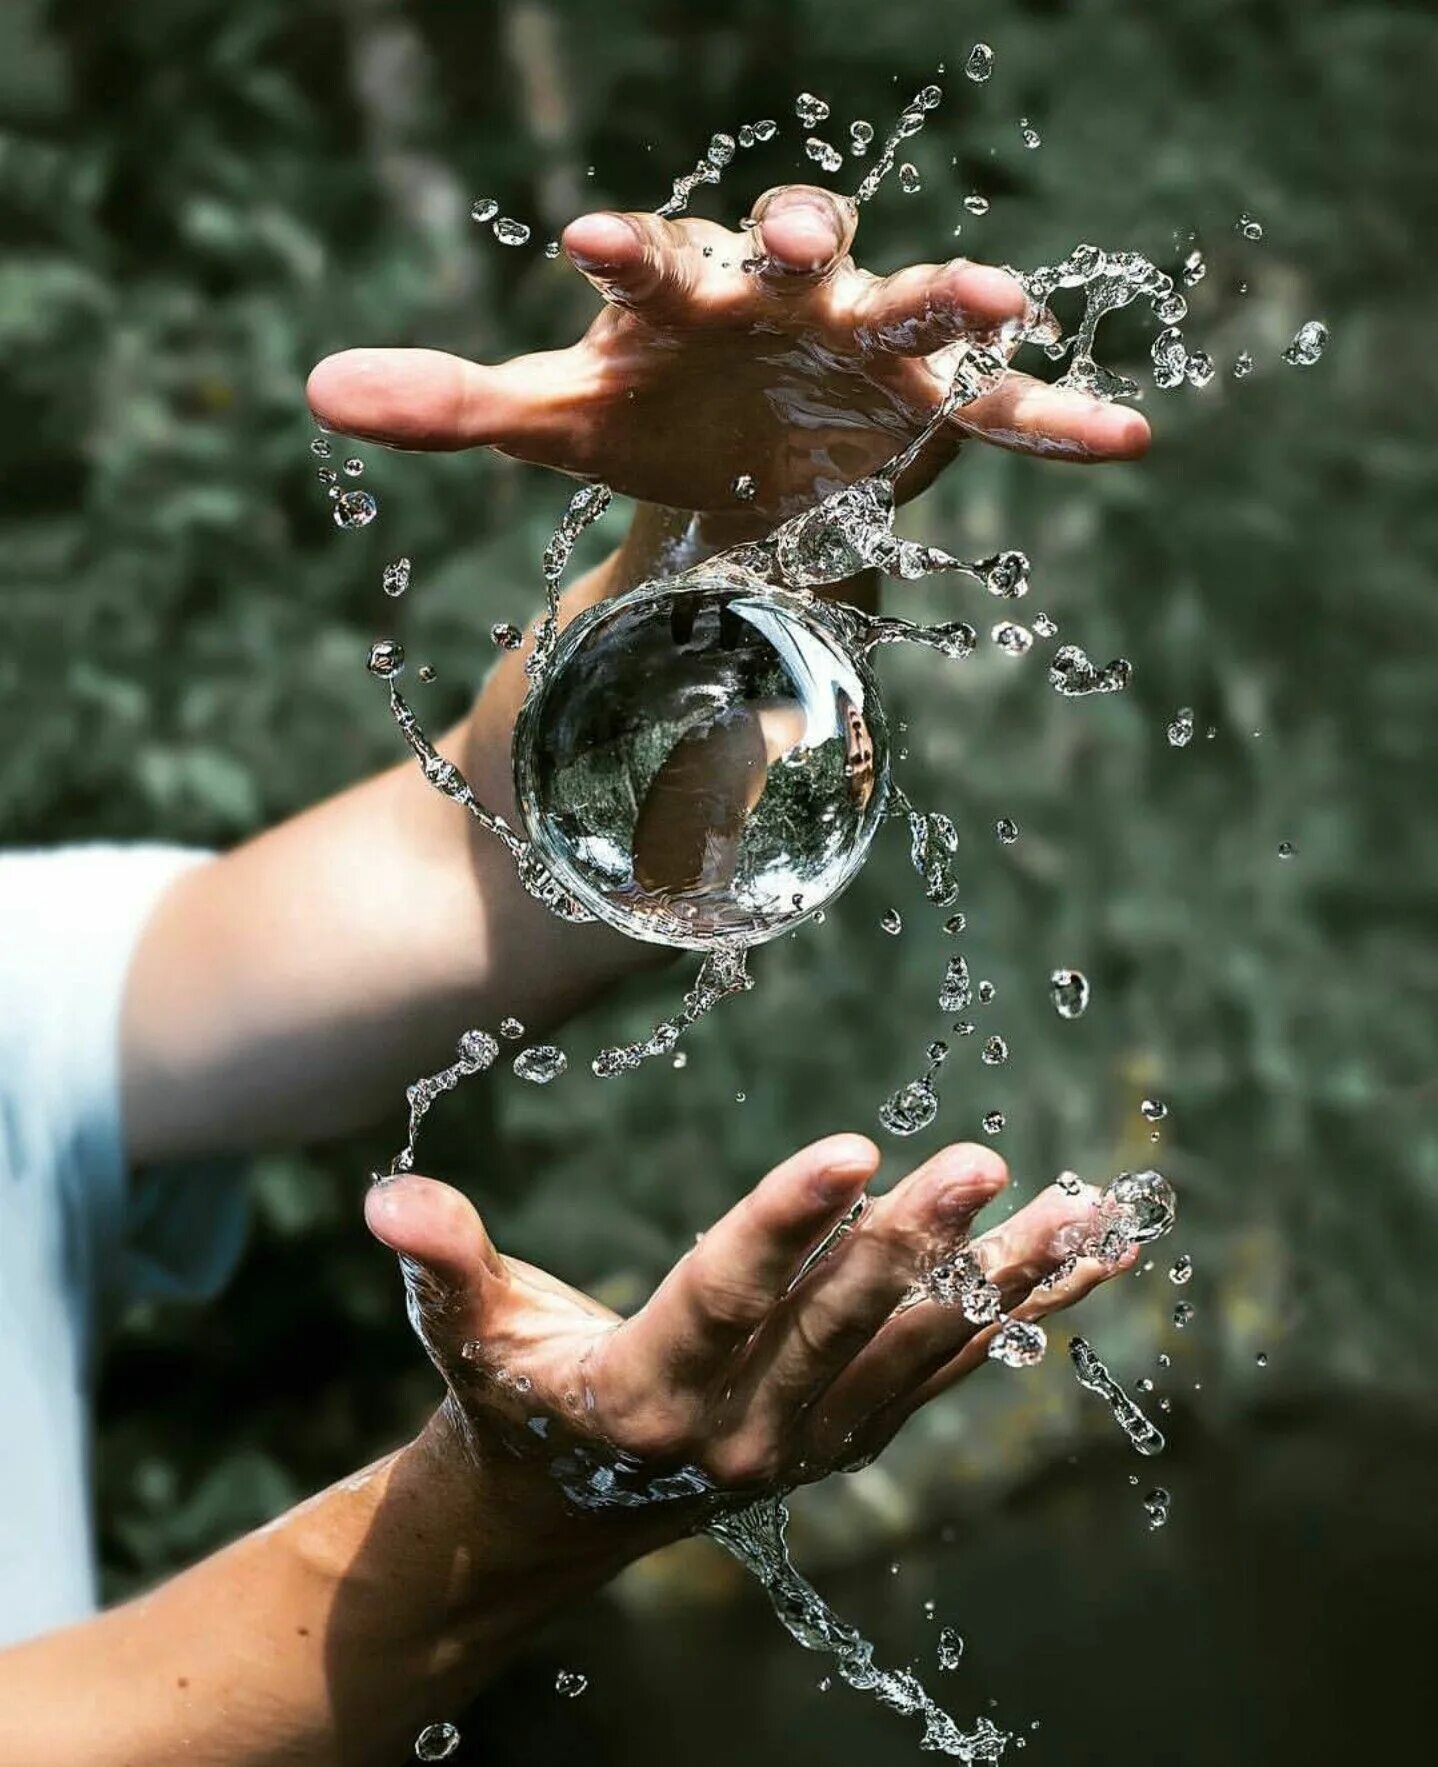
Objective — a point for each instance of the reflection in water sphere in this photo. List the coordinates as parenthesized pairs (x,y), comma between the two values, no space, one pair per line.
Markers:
(703,761)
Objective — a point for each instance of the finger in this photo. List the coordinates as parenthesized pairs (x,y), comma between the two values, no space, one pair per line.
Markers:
(712,1301)
(804,234)
(449,1260)
(634,260)
(832,1316)
(917,311)
(427,399)
(1055,422)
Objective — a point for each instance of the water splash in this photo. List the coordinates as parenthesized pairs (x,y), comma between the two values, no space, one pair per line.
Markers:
(723,973)
(1094,1377)
(756,1536)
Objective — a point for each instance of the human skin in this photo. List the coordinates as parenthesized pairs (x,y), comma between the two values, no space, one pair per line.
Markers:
(260,1010)
(333,1636)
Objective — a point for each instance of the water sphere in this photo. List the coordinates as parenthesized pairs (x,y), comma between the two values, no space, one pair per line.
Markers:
(703,761)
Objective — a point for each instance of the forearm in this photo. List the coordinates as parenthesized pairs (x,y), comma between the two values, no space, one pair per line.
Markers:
(333,1636)
(291,989)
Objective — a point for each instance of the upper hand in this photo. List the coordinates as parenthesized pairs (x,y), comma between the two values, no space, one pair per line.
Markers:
(734,1371)
(805,373)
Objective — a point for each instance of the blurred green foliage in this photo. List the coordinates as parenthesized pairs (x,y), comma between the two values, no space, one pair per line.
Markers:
(199,198)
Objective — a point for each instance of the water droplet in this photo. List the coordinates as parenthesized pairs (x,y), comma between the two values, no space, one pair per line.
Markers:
(1286,849)
(386,659)
(993,1124)
(1181,1269)
(327,476)
(955,924)
(861,134)
(1308,344)
(1248,227)
(1044,626)
(1180,732)
(396,577)
(1028,134)
(1154,1109)
(1144,1384)
(477,1051)
(911,1108)
(1141,1204)
(508,231)
(541,1063)
(931,97)
(976,204)
(1156,1507)
(426,672)
(1073,675)
(892,921)
(938,1053)
(506,635)
(950,1648)
(824,154)
(954,991)
(744,487)
(1069,1183)
(1242,365)
(1261,1359)
(1018,1343)
(569,1683)
(987,991)
(482,209)
(720,150)
(1198,369)
(1169,354)
(1194,269)
(320,448)
(909,180)
(354,466)
(740,1097)
(980,63)
(1182,1314)
(511,1028)
(1069,991)
(995,1052)
(810,110)
(1012,638)
(1007,831)
(765,129)
(355,509)
(436,1742)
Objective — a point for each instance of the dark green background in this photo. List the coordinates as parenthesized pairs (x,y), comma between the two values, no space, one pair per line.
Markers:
(199,198)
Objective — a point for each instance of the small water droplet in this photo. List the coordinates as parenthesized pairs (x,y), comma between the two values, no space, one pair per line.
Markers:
(355,509)
(508,231)
(950,1648)
(1044,626)
(511,1028)
(569,1683)
(1286,849)
(987,991)
(540,1064)
(955,924)
(1261,1359)
(909,180)
(320,448)
(1154,1109)
(1156,1507)
(1182,1314)
(426,673)
(482,209)
(861,134)
(993,1122)
(506,636)
(1028,134)
(1012,638)
(436,1742)
(1018,1343)
(976,204)
(1242,365)
(823,153)
(1069,992)
(911,1108)
(386,659)
(396,577)
(980,63)
(740,1097)
(720,150)
(995,1052)
(1248,227)
(354,466)
(477,1050)
(1194,269)
(744,487)
(765,129)
(1308,344)
(1007,831)
(892,921)
(810,110)
(1180,731)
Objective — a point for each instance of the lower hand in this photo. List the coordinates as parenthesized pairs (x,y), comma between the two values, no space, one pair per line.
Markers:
(741,1375)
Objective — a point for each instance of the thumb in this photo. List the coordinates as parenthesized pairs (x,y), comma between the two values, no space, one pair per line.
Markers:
(427,399)
(451,1269)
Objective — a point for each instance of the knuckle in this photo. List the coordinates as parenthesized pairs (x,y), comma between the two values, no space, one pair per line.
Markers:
(749,1459)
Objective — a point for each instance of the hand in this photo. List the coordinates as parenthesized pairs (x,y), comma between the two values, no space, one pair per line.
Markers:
(740,1375)
(805,373)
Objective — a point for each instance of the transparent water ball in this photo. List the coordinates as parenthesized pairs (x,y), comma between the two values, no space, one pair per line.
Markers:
(704,761)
